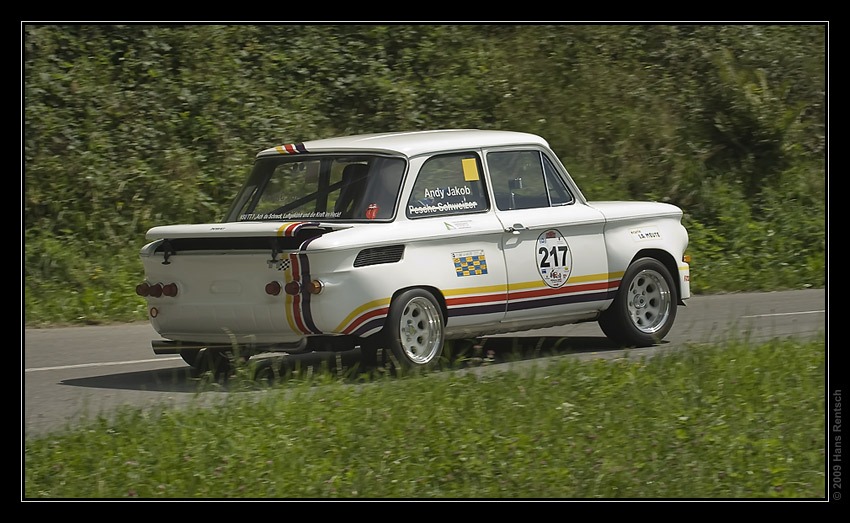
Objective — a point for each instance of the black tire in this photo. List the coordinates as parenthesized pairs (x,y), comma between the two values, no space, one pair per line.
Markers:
(372,352)
(191,356)
(216,361)
(414,330)
(330,343)
(644,309)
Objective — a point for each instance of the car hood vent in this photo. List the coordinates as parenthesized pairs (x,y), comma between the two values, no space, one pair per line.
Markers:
(379,255)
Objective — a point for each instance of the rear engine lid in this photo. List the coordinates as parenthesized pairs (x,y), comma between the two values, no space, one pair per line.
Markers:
(250,229)
(236,236)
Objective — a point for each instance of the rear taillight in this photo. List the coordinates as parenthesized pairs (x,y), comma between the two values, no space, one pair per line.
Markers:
(294,288)
(156,290)
(315,287)
(273,288)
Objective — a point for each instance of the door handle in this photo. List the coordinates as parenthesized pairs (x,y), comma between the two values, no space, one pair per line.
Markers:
(516,228)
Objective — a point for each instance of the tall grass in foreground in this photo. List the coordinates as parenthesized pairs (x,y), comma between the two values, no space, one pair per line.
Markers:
(731,421)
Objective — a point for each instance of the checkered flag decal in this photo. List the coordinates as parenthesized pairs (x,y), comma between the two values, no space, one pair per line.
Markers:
(283,264)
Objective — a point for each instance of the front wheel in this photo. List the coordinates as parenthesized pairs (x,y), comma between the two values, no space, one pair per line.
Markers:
(414,329)
(645,306)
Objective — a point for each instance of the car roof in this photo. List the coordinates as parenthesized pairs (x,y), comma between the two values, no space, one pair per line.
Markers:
(412,144)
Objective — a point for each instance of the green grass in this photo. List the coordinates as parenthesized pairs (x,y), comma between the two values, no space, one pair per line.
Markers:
(730,421)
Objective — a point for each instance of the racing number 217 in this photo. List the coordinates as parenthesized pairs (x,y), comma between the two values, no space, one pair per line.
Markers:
(553,252)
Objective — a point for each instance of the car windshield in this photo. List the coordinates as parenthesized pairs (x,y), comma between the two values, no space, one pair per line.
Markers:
(320,187)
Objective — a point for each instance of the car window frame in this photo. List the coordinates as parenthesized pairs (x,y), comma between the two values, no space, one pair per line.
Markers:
(544,156)
(482,178)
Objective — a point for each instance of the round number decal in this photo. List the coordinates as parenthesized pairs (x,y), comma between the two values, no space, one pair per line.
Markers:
(554,258)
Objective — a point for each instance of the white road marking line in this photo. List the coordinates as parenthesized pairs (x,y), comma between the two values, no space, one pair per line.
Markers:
(112,363)
(784,314)
(107,364)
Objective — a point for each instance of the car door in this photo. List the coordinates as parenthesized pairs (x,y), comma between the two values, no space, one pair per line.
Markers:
(456,240)
(553,243)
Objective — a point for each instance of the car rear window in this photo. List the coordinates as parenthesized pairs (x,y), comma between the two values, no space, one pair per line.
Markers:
(321,187)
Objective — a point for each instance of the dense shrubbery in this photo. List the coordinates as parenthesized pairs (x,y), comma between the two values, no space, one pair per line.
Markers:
(126,127)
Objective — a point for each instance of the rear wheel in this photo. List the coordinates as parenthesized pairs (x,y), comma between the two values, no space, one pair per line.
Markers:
(414,329)
(191,356)
(645,307)
(217,361)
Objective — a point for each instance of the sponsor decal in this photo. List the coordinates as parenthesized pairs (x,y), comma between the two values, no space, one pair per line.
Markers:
(645,234)
(456,225)
(469,263)
(316,215)
(443,207)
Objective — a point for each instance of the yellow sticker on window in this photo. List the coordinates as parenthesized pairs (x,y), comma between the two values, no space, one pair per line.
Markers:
(470,169)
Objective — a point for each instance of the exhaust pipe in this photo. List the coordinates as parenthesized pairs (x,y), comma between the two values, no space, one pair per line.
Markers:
(175,347)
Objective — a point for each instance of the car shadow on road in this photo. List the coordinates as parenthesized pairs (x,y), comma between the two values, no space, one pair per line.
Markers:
(176,379)
(512,347)
(497,350)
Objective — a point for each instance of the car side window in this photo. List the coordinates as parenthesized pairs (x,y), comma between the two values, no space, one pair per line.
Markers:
(525,180)
(558,192)
(448,184)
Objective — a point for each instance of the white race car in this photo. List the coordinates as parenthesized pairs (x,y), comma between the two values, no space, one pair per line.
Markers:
(401,241)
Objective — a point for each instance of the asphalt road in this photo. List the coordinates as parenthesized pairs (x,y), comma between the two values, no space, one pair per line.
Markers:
(69,373)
